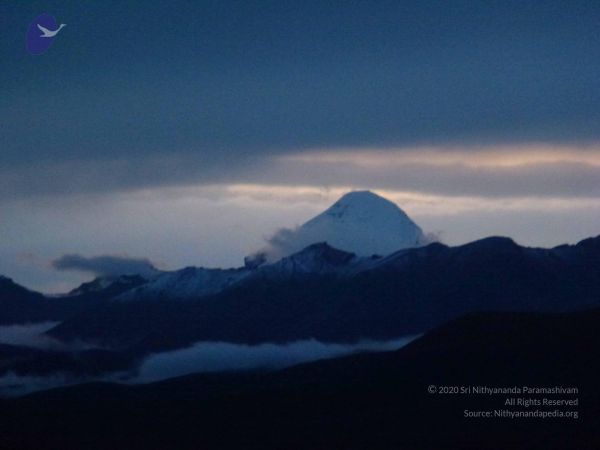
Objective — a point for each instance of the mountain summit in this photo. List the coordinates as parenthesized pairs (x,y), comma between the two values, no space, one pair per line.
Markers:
(360,222)
(366,224)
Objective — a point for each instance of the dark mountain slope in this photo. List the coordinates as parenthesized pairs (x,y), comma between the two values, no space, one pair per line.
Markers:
(19,305)
(406,293)
(370,401)
(20,360)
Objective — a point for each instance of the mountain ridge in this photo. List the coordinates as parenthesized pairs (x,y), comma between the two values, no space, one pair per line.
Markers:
(408,292)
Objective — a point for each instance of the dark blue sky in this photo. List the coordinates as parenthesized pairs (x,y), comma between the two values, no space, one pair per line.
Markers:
(237,79)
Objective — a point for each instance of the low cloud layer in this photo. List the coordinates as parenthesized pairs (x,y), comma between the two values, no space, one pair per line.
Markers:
(105,266)
(12,385)
(33,335)
(222,356)
(202,357)
(29,335)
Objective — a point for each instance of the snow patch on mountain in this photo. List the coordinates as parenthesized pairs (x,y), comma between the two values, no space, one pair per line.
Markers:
(99,284)
(185,284)
(317,259)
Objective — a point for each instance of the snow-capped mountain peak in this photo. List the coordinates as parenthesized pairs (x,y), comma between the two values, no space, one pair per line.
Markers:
(362,206)
(360,222)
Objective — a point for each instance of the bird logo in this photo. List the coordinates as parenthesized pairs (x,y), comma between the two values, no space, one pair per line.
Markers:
(41,33)
(48,33)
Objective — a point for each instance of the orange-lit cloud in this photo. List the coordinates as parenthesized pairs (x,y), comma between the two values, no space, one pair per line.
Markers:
(497,156)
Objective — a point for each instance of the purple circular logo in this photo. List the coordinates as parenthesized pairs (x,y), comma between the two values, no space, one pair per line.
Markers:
(41,33)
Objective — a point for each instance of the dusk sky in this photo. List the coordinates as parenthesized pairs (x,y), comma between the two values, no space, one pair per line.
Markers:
(187,132)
